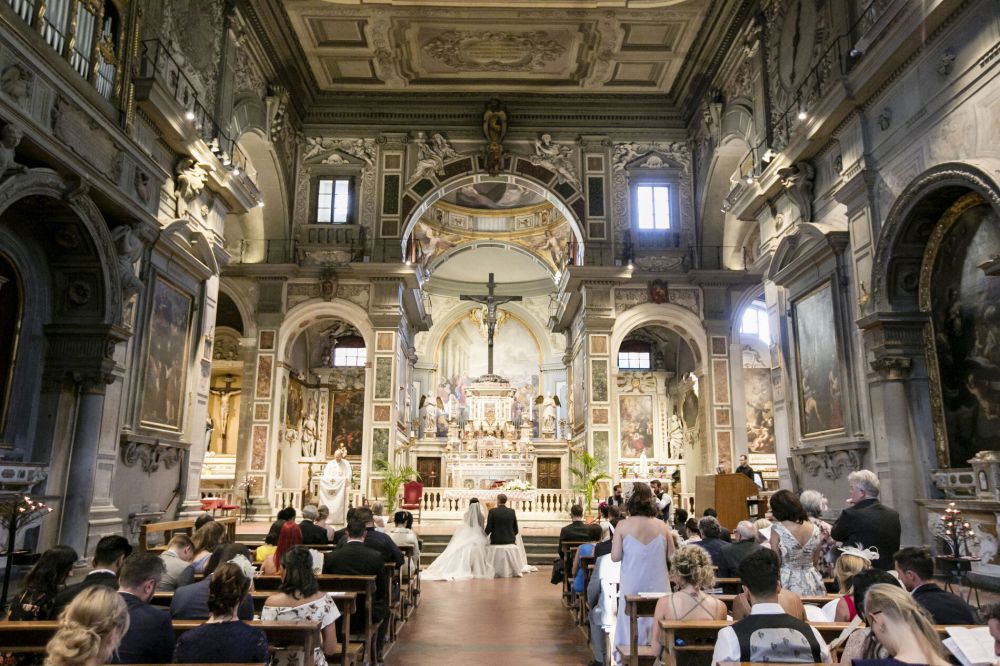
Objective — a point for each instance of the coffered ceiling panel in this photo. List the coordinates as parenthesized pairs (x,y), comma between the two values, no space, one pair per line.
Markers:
(482,47)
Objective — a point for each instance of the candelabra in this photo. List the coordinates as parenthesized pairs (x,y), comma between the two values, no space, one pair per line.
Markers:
(17,512)
(956,531)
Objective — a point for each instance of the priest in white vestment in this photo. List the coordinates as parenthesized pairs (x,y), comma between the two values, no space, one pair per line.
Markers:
(333,487)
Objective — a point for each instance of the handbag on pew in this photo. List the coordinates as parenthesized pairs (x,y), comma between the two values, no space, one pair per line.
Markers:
(558,571)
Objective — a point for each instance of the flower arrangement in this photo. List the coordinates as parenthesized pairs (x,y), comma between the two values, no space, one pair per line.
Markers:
(517,485)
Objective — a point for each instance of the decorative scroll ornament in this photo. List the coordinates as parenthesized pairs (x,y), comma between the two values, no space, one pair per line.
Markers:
(151,455)
(625,154)
(326,150)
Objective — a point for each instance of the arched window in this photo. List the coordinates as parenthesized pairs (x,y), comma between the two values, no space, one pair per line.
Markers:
(755,322)
(350,352)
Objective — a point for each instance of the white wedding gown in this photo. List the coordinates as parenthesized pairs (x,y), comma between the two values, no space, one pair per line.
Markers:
(465,556)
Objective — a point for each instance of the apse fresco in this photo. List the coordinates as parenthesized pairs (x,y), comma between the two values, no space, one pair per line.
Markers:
(493,196)
(462,358)
(965,305)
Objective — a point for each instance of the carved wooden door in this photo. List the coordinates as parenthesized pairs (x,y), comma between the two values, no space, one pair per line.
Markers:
(430,471)
(549,473)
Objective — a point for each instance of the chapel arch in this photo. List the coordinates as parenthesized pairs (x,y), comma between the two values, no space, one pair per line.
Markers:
(261,233)
(723,235)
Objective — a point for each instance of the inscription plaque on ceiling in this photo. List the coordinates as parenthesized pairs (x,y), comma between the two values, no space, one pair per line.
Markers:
(494,51)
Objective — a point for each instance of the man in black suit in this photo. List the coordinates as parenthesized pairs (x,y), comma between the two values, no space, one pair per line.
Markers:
(378,541)
(745,468)
(191,601)
(616,499)
(867,522)
(501,523)
(150,636)
(711,538)
(355,558)
(731,556)
(576,530)
(111,551)
(915,569)
(311,534)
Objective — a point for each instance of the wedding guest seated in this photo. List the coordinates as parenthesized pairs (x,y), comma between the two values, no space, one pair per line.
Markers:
(763,526)
(290,536)
(191,601)
(680,522)
(691,570)
(206,539)
(992,616)
(376,540)
(322,518)
(311,532)
(41,585)
(903,627)
(915,568)
(150,636)
(577,530)
(584,550)
(715,514)
(691,527)
(224,638)
(862,644)
(402,534)
(378,509)
(299,599)
(203,518)
(768,633)
(733,554)
(851,562)
(177,560)
(711,538)
(340,536)
(270,542)
(90,628)
(111,551)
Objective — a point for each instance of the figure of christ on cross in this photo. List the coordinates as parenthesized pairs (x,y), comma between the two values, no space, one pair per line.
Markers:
(491,303)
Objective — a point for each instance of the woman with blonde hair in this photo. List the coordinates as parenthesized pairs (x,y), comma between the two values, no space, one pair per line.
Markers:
(206,539)
(903,628)
(851,562)
(90,629)
(691,568)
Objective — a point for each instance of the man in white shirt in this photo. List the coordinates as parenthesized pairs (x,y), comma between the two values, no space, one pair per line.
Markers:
(663,500)
(768,633)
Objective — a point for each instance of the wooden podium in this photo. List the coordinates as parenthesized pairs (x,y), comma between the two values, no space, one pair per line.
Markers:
(727,494)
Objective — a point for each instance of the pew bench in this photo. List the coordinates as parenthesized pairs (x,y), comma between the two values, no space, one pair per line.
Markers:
(734,586)
(169,527)
(568,554)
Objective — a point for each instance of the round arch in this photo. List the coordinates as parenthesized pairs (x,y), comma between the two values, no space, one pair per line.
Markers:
(304,314)
(680,320)
(472,245)
(243,304)
(910,222)
(567,210)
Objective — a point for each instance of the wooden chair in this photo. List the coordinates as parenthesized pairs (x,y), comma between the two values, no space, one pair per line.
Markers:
(413,495)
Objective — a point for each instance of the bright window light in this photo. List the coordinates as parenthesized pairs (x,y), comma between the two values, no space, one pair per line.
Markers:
(351,357)
(654,206)
(755,322)
(333,200)
(633,360)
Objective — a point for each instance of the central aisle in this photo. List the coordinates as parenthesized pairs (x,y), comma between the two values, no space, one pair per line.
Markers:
(478,620)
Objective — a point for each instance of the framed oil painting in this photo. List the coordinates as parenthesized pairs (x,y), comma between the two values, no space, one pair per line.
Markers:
(817,352)
(166,357)
(347,409)
(635,425)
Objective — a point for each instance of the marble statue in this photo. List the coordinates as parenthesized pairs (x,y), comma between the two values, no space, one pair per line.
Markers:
(549,414)
(431,156)
(430,406)
(675,437)
(10,137)
(310,439)
(555,157)
(129,249)
(643,465)
(191,177)
(333,487)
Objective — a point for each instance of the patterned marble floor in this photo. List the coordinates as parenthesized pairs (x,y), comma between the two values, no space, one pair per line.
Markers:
(519,620)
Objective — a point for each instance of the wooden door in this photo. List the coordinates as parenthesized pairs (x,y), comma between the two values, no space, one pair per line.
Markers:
(430,471)
(549,473)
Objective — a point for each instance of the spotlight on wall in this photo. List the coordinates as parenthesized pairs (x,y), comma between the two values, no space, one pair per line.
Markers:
(802,115)
(189,115)
(749,179)
(630,266)
(260,204)
(236,170)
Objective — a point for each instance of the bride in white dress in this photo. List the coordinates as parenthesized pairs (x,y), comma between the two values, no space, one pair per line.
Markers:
(465,556)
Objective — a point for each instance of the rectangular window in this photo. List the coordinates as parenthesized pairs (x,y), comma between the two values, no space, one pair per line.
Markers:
(653,202)
(353,357)
(633,360)
(333,200)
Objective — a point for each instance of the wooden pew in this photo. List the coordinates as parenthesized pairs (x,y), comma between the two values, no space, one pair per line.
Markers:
(568,555)
(346,604)
(734,586)
(636,606)
(815,601)
(169,527)
(587,564)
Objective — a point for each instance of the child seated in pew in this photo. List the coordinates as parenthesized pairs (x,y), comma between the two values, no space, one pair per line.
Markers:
(300,599)
(224,638)
(90,628)
(691,569)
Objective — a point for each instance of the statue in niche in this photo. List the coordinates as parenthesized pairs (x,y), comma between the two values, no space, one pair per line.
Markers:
(129,249)
(549,412)
(191,177)
(10,137)
(310,433)
(494,129)
(432,409)
(675,436)
(556,158)
(431,156)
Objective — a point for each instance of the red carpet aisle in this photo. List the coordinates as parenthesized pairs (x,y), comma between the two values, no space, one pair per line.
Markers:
(483,621)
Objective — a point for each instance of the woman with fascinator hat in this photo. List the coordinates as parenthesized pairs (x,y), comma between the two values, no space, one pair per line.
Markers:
(852,561)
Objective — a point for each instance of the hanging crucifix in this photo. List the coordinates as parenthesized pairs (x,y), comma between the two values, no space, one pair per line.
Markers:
(491,303)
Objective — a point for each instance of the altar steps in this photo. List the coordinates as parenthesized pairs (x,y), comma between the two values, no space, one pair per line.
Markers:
(541,550)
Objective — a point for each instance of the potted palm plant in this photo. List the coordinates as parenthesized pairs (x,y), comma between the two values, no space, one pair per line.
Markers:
(393,479)
(588,476)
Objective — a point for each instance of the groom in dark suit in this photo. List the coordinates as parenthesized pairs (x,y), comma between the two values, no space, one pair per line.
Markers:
(501,523)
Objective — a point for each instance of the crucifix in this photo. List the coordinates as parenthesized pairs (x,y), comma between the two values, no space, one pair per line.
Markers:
(491,303)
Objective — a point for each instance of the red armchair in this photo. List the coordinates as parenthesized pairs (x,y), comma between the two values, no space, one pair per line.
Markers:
(413,494)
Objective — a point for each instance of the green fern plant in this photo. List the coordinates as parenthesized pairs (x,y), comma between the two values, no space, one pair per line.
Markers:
(392,481)
(588,476)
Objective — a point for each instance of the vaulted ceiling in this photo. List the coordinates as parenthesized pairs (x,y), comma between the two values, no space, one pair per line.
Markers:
(590,46)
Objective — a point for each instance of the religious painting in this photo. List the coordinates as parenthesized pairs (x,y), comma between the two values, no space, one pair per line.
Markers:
(598,344)
(760,410)
(462,357)
(383,341)
(262,411)
(166,357)
(266,341)
(347,410)
(599,380)
(381,413)
(383,378)
(723,417)
(635,425)
(818,363)
(964,293)
(599,415)
(293,405)
(265,363)
(658,291)
(602,450)
(720,381)
(380,444)
(493,196)
(258,448)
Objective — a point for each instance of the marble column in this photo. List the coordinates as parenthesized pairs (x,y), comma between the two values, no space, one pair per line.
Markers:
(82,464)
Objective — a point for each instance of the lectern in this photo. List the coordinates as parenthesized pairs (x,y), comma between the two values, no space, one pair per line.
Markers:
(727,494)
